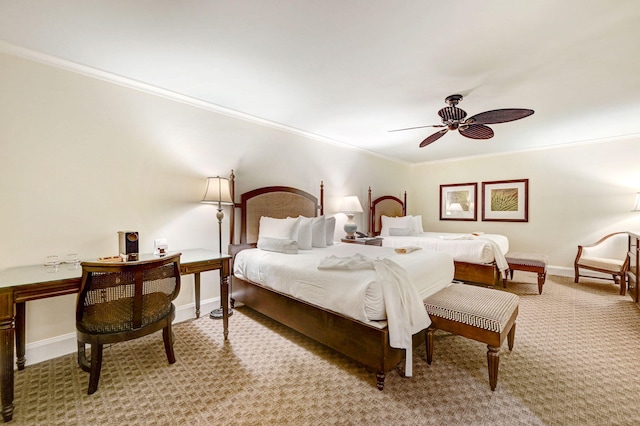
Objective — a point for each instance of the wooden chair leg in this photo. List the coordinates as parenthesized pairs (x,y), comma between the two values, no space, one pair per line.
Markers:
(493,361)
(429,344)
(83,362)
(623,285)
(96,366)
(167,336)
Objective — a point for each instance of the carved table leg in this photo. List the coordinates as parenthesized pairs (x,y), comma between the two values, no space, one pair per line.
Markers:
(224,299)
(493,361)
(196,287)
(7,336)
(20,335)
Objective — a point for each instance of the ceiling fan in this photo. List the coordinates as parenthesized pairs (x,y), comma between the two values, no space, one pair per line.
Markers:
(473,127)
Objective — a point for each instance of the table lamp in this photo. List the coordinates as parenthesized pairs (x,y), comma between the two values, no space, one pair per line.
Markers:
(218,192)
(350,205)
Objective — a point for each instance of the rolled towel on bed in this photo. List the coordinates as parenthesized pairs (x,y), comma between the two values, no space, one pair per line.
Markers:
(407,249)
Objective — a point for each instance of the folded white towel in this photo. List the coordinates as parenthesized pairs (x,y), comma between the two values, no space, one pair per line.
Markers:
(407,249)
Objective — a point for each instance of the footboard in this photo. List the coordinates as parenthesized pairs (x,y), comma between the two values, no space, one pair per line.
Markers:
(487,274)
(361,342)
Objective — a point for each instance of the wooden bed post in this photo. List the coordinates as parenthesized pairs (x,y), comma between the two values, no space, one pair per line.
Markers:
(371,219)
(321,198)
(404,204)
(232,221)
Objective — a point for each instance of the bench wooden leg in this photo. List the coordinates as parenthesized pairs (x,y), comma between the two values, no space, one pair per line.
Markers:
(511,336)
(493,361)
(541,278)
(429,344)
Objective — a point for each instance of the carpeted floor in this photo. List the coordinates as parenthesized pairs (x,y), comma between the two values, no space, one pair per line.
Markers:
(576,361)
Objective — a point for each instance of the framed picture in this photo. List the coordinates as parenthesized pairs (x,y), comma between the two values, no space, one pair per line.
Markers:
(505,201)
(459,201)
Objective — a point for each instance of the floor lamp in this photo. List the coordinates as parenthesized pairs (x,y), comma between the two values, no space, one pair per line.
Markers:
(218,192)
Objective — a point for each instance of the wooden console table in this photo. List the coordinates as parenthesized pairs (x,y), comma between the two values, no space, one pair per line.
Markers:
(26,283)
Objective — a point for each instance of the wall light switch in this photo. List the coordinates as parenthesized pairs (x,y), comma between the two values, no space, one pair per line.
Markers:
(160,246)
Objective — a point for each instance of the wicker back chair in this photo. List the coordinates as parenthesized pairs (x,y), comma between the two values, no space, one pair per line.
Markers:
(124,301)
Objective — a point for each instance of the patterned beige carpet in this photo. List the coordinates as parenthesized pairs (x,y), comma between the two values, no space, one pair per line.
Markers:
(576,361)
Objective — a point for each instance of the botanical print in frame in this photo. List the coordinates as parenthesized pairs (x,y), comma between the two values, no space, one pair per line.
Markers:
(505,201)
(459,201)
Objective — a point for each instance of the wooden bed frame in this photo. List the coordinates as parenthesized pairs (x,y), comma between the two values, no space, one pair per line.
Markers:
(362,342)
(477,273)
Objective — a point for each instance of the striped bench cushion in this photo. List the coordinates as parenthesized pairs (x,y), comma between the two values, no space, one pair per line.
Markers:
(526,259)
(480,307)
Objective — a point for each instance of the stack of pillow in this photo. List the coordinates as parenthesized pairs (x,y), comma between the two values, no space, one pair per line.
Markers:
(401,226)
(290,234)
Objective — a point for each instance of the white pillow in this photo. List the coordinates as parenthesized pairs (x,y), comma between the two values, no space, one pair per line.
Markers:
(280,245)
(417,224)
(389,222)
(330,229)
(304,232)
(278,228)
(319,232)
(400,232)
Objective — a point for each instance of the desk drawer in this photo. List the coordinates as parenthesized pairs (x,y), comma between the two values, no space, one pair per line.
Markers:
(205,265)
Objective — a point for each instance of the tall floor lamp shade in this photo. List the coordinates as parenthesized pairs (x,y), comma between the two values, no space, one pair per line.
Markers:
(218,192)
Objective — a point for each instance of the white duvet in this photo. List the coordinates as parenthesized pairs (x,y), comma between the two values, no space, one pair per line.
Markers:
(484,248)
(366,283)
(354,293)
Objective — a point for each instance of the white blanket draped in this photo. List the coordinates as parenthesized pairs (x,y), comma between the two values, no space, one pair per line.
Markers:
(484,248)
(406,314)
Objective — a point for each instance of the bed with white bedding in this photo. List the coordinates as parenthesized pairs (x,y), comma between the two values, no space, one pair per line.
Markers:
(478,257)
(354,311)
(355,293)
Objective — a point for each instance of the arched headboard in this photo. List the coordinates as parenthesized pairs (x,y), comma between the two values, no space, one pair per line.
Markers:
(387,205)
(277,202)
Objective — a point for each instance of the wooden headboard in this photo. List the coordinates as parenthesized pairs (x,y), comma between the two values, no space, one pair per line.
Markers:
(387,205)
(278,202)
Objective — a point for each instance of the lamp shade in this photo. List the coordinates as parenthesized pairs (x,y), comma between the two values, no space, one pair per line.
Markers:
(351,204)
(636,207)
(218,191)
(455,208)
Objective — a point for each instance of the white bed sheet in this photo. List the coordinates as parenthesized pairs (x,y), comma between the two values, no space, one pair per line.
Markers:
(354,293)
(485,248)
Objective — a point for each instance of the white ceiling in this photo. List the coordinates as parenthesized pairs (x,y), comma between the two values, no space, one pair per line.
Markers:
(348,71)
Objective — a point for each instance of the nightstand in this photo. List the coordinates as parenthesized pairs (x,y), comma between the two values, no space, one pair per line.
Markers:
(365,241)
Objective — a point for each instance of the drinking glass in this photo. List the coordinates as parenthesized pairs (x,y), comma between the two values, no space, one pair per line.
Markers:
(52,263)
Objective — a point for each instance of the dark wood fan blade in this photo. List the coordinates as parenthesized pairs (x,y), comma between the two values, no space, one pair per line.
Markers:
(477,131)
(500,115)
(434,137)
(418,127)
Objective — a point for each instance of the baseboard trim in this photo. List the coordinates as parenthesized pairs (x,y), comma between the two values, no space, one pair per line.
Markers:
(65,344)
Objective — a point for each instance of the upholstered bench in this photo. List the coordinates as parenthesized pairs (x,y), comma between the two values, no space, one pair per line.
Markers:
(482,314)
(528,262)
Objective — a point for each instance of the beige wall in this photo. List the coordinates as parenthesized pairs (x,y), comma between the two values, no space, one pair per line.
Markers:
(577,194)
(83,158)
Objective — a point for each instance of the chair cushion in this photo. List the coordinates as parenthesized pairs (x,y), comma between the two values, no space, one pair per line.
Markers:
(480,307)
(613,265)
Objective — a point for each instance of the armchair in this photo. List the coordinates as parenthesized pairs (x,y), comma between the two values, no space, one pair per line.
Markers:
(608,255)
(124,301)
